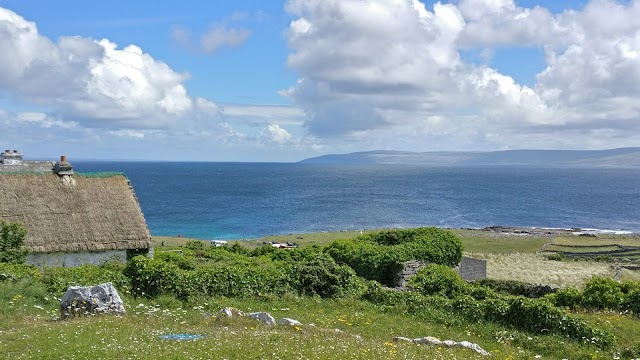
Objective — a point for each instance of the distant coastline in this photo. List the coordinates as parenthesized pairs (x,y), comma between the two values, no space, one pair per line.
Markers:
(622,157)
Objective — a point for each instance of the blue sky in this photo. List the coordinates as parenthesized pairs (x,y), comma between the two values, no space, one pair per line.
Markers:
(285,80)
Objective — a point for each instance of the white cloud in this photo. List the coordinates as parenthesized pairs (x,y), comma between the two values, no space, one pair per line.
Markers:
(219,35)
(100,97)
(135,134)
(276,134)
(87,80)
(390,72)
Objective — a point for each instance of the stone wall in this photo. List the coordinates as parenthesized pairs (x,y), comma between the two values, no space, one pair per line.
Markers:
(410,268)
(469,269)
(472,269)
(59,259)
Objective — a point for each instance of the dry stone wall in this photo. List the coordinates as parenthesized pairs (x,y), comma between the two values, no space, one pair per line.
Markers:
(469,269)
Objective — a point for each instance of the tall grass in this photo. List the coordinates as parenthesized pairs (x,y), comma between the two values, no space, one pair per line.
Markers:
(536,269)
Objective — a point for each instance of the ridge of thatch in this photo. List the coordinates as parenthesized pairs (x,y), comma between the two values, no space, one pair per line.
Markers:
(28,167)
(94,214)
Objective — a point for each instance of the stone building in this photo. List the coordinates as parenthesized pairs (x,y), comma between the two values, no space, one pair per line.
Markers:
(71,218)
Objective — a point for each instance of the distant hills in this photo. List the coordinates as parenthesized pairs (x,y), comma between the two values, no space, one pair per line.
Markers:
(613,157)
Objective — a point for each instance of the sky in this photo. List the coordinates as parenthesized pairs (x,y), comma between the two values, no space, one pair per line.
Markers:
(285,80)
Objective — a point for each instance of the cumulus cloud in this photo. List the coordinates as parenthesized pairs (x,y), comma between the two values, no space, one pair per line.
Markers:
(106,98)
(389,69)
(88,80)
(274,133)
(218,36)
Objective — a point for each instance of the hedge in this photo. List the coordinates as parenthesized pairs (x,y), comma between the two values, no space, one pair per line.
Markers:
(380,255)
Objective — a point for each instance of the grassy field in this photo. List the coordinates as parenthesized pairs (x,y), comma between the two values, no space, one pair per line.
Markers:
(509,256)
(536,269)
(473,240)
(28,330)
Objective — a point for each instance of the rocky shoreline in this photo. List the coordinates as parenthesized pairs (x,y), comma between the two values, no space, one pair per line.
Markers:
(532,231)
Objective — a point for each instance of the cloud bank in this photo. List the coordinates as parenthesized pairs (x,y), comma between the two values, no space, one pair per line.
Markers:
(95,94)
(391,72)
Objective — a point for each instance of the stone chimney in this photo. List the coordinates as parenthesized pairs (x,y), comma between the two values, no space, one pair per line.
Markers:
(64,170)
(11,158)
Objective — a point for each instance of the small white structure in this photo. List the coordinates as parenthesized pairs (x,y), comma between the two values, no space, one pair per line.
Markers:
(218,243)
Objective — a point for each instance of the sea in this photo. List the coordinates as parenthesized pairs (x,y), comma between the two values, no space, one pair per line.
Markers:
(250,200)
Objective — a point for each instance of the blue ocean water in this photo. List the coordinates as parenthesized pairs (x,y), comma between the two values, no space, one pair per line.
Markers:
(248,200)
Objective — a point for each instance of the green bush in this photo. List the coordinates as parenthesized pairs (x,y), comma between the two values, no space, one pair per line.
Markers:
(380,255)
(151,277)
(321,276)
(179,259)
(602,293)
(12,243)
(17,272)
(239,281)
(435,279)
(369,260)
(513,287)
(568,298)
(536,316)
(264,250)
(58,279)
(296,254)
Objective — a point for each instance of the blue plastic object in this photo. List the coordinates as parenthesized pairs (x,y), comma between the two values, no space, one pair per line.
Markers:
(181,337)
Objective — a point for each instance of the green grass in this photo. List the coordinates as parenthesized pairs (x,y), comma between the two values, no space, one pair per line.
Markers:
(626,240)
(473,240)
(481,242)
(29,329)
(366,332)
(586,249)
(536,269)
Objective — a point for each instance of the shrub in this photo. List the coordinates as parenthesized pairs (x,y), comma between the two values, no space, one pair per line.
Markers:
(380,256)
(435,279)
(12,243)
(151,277)
(182,261)
(17,272)
(237,249)
(264,250)
(569,298)
(513,287)
(239,281)
(536,316)
(602,293)
(321,276)
(197,246)
(296,254)
(58,279)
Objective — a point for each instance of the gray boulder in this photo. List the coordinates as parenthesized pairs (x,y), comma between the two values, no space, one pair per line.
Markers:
(84,300)
(290,322)
(263,317)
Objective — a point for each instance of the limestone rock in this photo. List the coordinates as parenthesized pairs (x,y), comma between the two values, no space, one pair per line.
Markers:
(230,312)
(290,322)
(84,300)
(263,317)
(449,343)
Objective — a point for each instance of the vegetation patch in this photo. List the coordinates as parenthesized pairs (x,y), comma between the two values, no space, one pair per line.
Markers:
(380,255)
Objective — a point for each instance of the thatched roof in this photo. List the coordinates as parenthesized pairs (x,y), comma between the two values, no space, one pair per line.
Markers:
(27,167)
(94,214)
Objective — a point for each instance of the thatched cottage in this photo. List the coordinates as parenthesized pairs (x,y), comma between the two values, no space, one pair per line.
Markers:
(71,219)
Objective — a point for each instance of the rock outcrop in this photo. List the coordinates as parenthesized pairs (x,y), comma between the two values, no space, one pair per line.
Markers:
(85,300)
(263,317)
(429,340)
